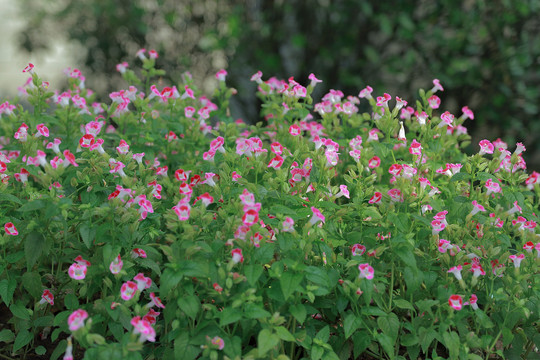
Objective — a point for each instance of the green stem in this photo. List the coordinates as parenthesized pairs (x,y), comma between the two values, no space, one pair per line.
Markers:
(391,288)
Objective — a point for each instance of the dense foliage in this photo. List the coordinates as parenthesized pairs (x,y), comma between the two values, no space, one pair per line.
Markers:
(155,226)
(487,54)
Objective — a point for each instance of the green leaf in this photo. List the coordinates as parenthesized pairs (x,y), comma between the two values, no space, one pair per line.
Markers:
(59,350)
(399,220)
(317,276)
(404,304)
(483,319)
(71,301)
(351,324)
(33,247)
(6,335)
(20,311)
(387,344)
(426,337)
(280,209)
(460,176)
(289,283)
(32,205)
(284,334)
(413,278)
(88,234)
(266,341)
(389,325)
(23,338)
(299,312)
(229,315)
(9,197)
(169,280)
(372,311)
(316,352)
(190,305)
(323,334)
(7,288)
(40,350)
(451,341)
(361,341)
(252,311)
(43,321)
(253,273)
(31,281)
(150,264)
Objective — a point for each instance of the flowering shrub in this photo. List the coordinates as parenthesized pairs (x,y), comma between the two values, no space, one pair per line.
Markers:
(156,226)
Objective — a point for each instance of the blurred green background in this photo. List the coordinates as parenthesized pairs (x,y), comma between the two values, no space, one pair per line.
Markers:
(486,53)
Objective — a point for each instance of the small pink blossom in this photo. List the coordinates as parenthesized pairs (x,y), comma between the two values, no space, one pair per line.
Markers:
(76,319)
(516,259)
(434,102)
(218,342)
(143,327)
(10,229)
(77,271)
(456,270)
(116,265)
(47,297)
(237,256)
(288,225)
(366,271)
(456,302)
(128,289)
(376,198)
(317,216)
(358,249)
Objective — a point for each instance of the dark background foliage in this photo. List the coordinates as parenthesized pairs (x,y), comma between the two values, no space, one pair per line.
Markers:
(486,53)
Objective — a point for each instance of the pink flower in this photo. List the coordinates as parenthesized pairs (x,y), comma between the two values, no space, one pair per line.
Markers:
(143,282)
(221,74)
(444,246)
(68,355)
(358,249)
(376,198)
(374,162)
(10,229)
(456,270)
(317,216)
(383,100)
(477,269)
(486,147)
(514,209)
(395,195)
(294,130)
(77,271)
(156,301)
(467,113)
(516,259)
(122,67)
(29,68)
(257,77)
(250,217)
(76,319)
(434,102)
(217,341)
(343,191)
(415,148)
(69,159)
(116,265)
(492,186)
(123,148)
(135,253)
(182,210)
(528,246)
(366,92)
(153,54)
(276,162)
(288,225)
(456,302)
(47,297)
(189,111)
(128,289)
(476,208)
(237,255)
(87,141)
(473,302)
(438,226)
(42,130)
(436,86)
(143,327)
(366,271)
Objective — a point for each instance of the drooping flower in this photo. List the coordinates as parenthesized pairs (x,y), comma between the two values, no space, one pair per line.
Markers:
(472,302)
(135,253)
(366,271)
(47,297)
(76,319)
(10,229)
(317,216)
(456,270)
(476,208)
(116,265)
(155,301)
(143,327)
(456,302)
(343,191)
(237,255)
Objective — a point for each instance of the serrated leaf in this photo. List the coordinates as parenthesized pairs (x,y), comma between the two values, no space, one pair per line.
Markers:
(33,247)
(252,311)
(31,281)
(284,334)
(43,321)
(289,283)
(151,264)
(404,304)
(460,176)
(190,305)
(451,341)
(387,344)
(266,341)
(323,334)
(71,301)
(299,312)
(389,325)
(7,289)
(229,316)
(88,234)
(361,341)
(32,205)
(9,197)
(20,311)
(23,338)
(6,335)
(253,273)
(351,324)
